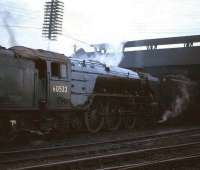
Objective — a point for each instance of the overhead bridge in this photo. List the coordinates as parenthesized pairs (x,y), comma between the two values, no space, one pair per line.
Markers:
(174,55)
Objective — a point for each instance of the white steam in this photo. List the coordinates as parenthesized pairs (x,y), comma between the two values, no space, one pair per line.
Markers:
(112,59)
(111,55)
(180,104)
(6,19)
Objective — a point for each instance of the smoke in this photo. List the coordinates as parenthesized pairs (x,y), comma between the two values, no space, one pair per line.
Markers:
(180,103)
(111,55)
(7,17)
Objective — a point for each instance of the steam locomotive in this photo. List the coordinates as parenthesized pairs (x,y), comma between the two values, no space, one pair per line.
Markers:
(46,91)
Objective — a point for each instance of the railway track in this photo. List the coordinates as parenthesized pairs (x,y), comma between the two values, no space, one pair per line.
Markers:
(78,154)
(187,162)
(139,159)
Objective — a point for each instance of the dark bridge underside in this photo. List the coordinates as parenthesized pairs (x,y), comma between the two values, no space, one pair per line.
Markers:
(170,60)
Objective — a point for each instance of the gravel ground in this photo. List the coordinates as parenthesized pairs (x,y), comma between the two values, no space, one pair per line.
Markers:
(84,138)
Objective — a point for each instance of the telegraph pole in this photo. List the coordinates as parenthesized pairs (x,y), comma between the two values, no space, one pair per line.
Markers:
(53,17)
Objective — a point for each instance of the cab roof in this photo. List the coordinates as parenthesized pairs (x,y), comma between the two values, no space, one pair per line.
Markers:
(35,54)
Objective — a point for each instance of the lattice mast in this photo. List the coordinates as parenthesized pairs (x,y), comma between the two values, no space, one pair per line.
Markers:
(53,17)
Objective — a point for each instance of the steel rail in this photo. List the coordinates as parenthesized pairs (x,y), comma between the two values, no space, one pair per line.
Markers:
(151,164)
(115,156)
(16,157)
(28,155)
(143,137)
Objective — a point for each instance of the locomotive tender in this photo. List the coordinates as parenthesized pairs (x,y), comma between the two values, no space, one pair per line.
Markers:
(42,90)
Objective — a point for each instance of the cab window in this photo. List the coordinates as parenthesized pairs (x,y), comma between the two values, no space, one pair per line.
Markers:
(55,70)
(58,70)
(63,69)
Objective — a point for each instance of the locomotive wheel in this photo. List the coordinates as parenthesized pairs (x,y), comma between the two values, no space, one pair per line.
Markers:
(129,121)
(94,119)
(113,117)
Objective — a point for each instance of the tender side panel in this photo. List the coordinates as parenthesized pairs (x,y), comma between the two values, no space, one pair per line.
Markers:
(16,82)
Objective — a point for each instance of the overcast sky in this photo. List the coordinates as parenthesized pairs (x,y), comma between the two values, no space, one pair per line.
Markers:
(98,21)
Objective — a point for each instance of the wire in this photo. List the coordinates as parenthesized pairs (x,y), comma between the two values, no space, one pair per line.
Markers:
(84,42)
(21,26)
(39,28)
(75,39)
(20,9)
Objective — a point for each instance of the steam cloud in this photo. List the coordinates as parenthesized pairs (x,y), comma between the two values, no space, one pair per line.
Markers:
(112,55)
(6,19)
(180,104)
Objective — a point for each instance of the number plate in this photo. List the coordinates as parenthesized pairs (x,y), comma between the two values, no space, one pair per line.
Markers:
(60,89)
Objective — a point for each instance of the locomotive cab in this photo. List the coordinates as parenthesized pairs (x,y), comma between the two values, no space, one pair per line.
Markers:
(41,82)
(51,79)
(59,85)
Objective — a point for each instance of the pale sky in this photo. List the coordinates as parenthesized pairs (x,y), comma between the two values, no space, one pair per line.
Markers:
(99,21)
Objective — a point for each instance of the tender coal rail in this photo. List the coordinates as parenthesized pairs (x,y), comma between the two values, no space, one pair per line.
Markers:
(50,155)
